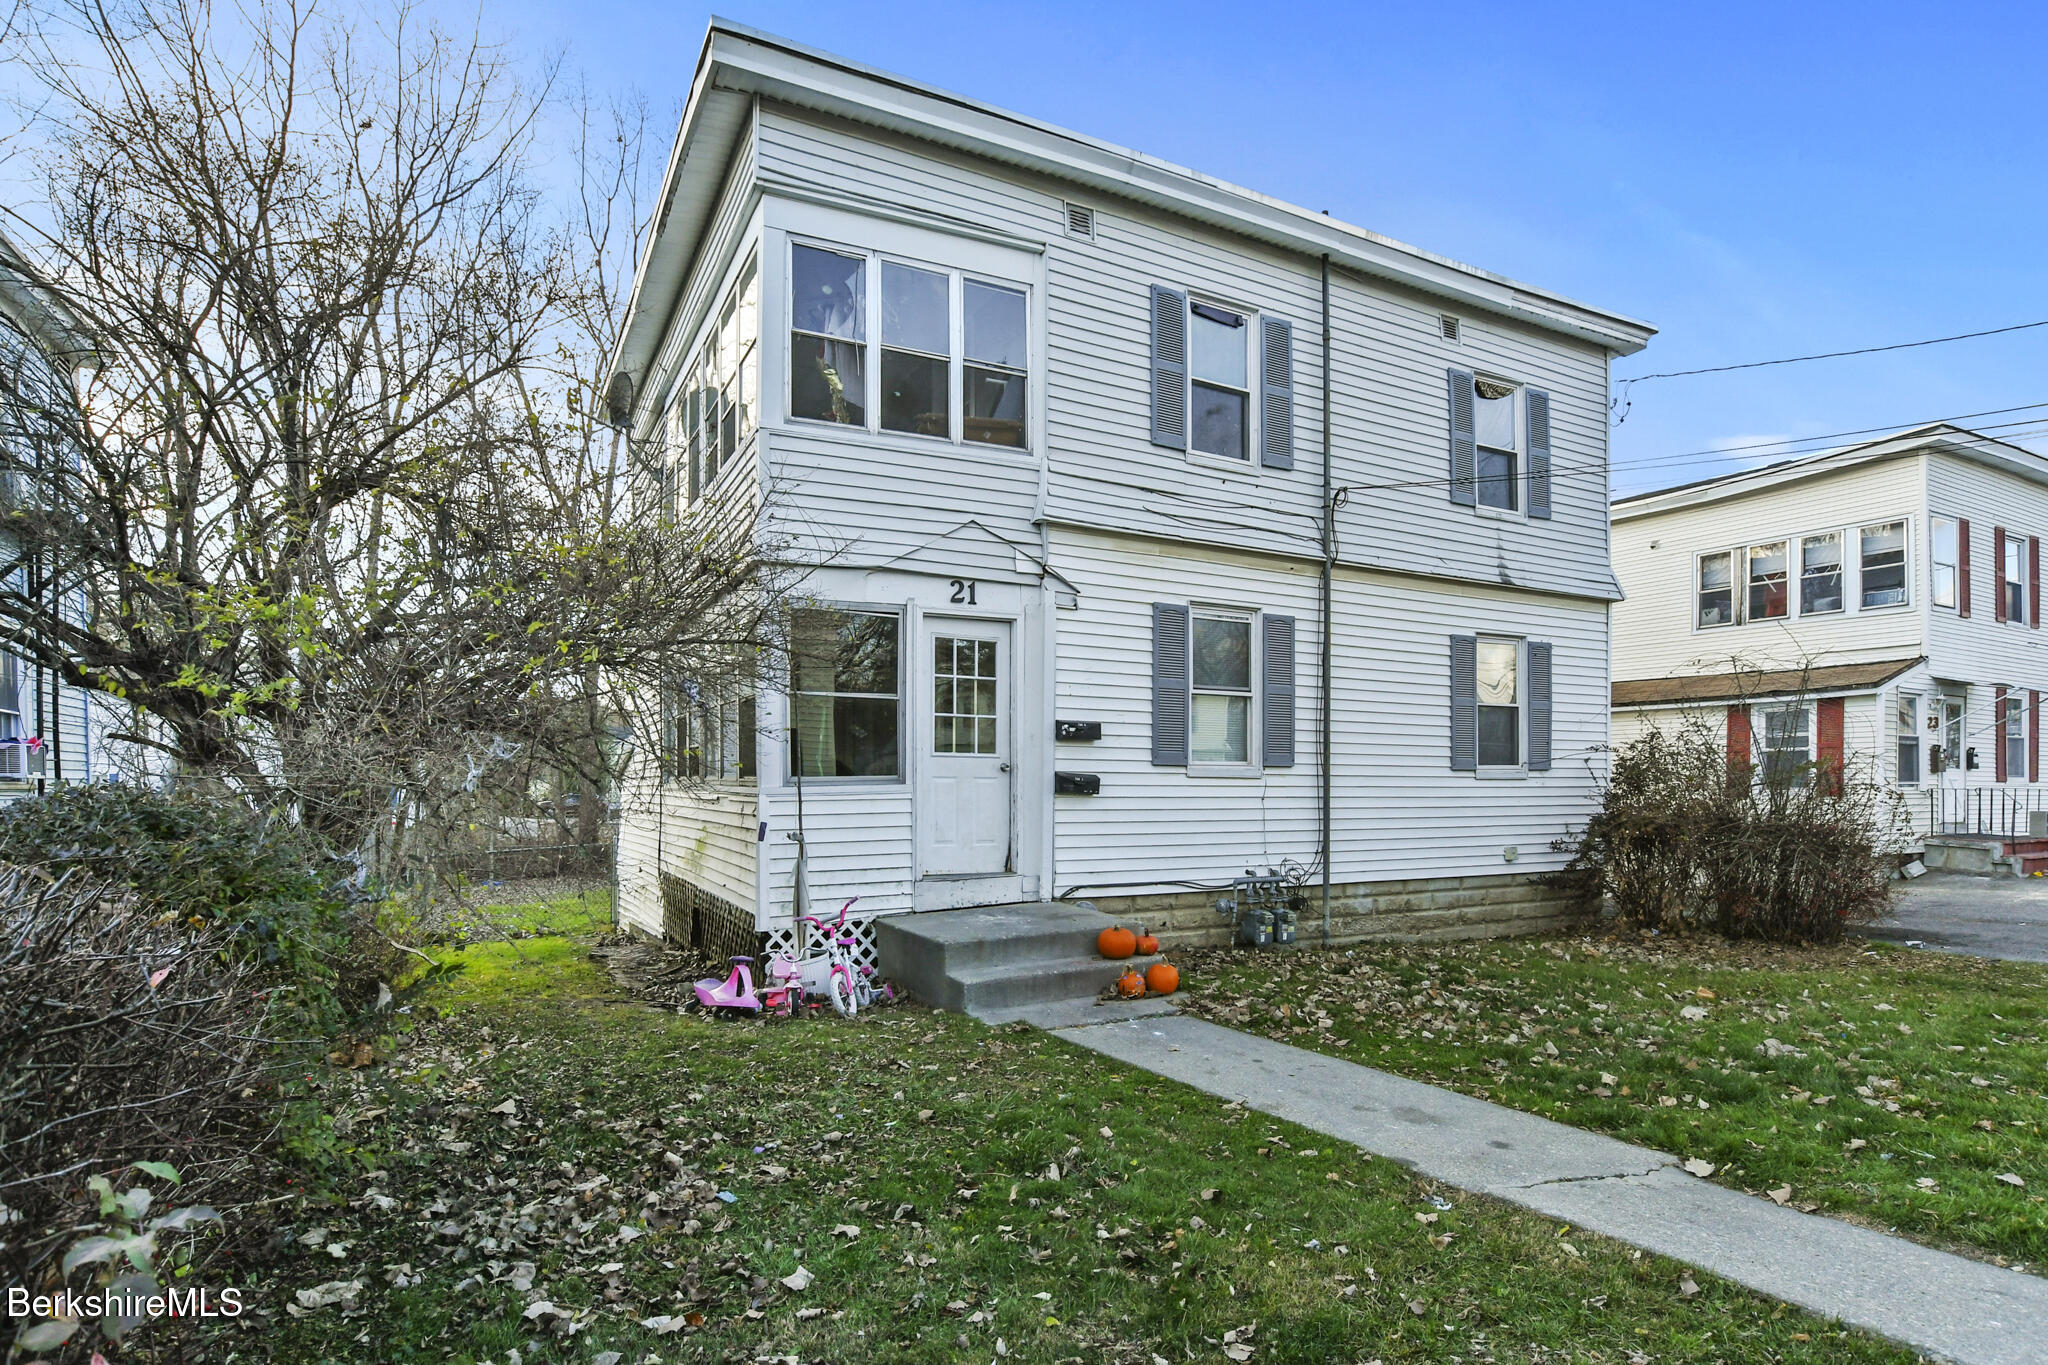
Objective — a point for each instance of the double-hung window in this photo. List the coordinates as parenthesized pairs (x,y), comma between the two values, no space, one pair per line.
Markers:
(1767,586)
(1787,746)
(1219,359)
(13,754)
(717,400)
(2014,731)
(1945,557)
(1495,431)
(1220,727)
(846,693)
(955,348)
(1820,574)
(828,328)
(1909,739)
(2014,578)
(1500,703)
(1716,592)
(1883,570)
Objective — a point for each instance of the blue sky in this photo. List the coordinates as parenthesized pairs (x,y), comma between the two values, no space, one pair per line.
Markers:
(1756,180)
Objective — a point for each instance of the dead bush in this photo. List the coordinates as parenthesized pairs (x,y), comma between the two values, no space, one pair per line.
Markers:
(1684,840)
(127,1035)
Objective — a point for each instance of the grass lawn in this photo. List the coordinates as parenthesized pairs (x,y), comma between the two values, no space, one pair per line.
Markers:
(938,1189)
(1899,1088)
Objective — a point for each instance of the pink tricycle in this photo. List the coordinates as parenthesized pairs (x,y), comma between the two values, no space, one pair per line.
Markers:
(736,992)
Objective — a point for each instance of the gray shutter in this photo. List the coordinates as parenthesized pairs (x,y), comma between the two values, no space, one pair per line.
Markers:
(1276,394)
(1465,703)
(1169,368)
(1539,706)
(1169,685)
(1464,444)
(1276,741)
(1536,407)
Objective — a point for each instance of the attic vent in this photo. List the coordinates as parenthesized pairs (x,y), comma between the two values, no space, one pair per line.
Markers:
(1448,326)
(1081,221)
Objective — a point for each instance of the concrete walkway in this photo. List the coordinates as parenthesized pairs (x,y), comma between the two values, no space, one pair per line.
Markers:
(1943,1305)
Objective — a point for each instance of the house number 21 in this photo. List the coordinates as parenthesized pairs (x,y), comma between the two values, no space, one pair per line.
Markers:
(963,591)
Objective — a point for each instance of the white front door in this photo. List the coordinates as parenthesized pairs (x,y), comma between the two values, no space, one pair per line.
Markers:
(964,798)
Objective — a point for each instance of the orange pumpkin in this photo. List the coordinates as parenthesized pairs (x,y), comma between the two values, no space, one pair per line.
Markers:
(1147,943)
(1162,978)
(1130,985)
(1116,942)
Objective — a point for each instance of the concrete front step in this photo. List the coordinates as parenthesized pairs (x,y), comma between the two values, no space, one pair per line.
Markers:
(998,958)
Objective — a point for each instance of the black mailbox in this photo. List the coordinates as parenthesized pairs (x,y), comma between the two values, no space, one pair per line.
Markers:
(1076,731)
(1076,784)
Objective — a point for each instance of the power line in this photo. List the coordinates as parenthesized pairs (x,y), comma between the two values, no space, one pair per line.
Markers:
(1835,355)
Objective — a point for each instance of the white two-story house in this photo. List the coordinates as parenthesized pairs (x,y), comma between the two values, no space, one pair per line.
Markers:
(1876,605)
(1154,530)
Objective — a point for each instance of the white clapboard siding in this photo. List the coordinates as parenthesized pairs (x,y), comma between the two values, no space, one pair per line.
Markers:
(859,843)
(701,833)
(1981,648)
(1389,418)
(1399,810)
(1654,631)
(639,889)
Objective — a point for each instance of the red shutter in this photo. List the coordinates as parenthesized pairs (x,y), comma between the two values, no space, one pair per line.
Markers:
(2033,582)
(1962,567)
(1998,575)
(2033,735)
(1738,745)
(1998,710)
(1827,728)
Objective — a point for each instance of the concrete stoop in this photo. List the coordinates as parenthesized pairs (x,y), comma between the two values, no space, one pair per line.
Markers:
(996,961)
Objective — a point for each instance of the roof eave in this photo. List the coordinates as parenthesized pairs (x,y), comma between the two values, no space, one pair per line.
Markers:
(739,58)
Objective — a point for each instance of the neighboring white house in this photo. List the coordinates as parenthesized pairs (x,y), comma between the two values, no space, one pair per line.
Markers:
(1879,603)
(1049,417)
(49,733)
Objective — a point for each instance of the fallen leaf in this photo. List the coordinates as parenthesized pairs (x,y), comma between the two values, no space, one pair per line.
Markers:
(1702,1169)
(1686,1287)
(798,1279)
(1780,1195)
(2013,1180)
(541,1309)
(333,1292)
(508,1107)
(847,1230)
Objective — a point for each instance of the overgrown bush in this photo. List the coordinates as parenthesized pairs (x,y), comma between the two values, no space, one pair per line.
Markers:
(279,903)
(1685,840)
(126,1035)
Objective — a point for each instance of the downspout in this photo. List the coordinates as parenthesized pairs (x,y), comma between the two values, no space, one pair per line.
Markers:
(1329,564)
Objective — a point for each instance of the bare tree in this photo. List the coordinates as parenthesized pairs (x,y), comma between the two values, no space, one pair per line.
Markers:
(349,532)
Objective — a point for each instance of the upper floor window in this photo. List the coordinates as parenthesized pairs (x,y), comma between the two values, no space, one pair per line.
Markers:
(1767,581)
(2014,578)
(1716,602)
(1219,361)
(717,403)
(954,348)
(1883,572)
(1496,431)
(1945,557)
(1820,574)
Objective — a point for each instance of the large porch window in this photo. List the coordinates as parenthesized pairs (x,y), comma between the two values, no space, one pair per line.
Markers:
(847,694)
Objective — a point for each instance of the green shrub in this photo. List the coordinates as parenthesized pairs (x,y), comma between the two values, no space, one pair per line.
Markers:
(282,904)
(1683,840)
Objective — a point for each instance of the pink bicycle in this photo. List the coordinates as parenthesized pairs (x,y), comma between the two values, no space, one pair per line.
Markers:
(831,970)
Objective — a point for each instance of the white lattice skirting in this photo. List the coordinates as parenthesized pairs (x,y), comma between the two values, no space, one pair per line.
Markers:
(783,939)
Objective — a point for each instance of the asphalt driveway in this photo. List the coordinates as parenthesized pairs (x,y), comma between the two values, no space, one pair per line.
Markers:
(1989,916)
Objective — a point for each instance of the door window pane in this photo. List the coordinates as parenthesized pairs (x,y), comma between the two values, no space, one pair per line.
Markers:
(1884,564)
(964,695)
(1820,574)
(1717,589)
(1767,596)
(843,667)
